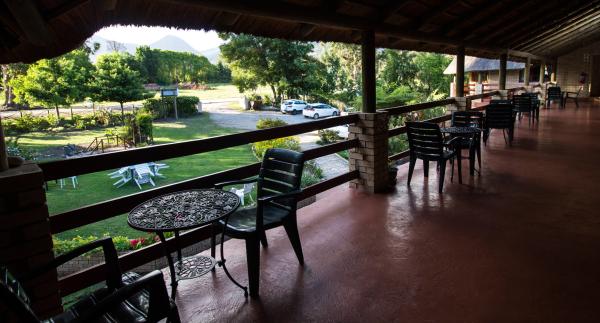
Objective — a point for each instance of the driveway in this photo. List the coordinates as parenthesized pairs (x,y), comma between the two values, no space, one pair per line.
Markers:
(223,114)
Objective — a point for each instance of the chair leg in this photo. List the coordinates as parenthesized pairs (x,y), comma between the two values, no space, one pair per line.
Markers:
(442,174)
(479,154)
(411,168)
(459,164)
(253,260)
(174,316)
(263,239)
(426,167)
(472,159)
(291,228)
(213,241)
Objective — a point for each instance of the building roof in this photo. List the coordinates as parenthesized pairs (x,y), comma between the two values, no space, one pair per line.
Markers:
(478,64)
(539,29)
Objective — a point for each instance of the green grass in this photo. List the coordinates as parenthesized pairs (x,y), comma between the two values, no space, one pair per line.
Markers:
(98,187)
(222,91)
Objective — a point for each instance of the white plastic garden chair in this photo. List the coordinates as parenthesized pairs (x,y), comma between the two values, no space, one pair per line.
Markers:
(124,175)
(242,192)
(73,179)
(156,169)
(142,175)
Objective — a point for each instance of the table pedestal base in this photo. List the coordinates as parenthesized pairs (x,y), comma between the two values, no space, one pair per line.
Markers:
(194,266)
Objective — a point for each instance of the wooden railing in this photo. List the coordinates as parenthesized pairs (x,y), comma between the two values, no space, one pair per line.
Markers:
(107,209)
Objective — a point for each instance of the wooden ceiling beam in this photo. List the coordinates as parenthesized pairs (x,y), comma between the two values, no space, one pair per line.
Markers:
(586,27)
(543,30)
(578,44)
(435,12)
(30,21)
(390,9)
(64,8)
(477,17)
(501,19)
(301,14)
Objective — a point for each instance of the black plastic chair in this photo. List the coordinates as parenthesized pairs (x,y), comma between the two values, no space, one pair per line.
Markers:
(471,142)
(427,143)
(501,102)
(278,189)
(126,298)
(535,104)
(553,94)
(572,96)
(499,117)
(523,105)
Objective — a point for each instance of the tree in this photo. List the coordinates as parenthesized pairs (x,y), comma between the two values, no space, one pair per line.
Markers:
(56,82)
(430,77)
(281,65)
(396,68)
(9,72)
(115,80)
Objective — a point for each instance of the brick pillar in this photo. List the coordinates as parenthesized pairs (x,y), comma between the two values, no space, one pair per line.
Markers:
(25,239)
(371,156)
(462,104)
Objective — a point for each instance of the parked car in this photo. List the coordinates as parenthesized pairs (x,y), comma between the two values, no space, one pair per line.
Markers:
(317,110)
(293,106)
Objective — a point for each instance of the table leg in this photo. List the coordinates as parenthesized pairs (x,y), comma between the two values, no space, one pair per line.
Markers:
(179,257)
(222,261)
(170,262)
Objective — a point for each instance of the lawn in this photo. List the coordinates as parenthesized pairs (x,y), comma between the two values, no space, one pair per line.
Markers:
(222,91)
(98,187)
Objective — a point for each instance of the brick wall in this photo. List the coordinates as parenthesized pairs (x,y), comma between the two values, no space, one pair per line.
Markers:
(572,64)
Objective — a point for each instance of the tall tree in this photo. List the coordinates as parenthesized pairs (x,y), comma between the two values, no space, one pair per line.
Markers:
(115,80)
(54,83)
(430,77)
(279,64)
(9,72)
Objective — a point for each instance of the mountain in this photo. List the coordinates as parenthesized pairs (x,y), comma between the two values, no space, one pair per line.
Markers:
(173,43)
(212,54)
(104,46)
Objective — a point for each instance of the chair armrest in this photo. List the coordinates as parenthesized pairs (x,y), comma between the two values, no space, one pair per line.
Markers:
(270,198)
(110,257)
(159,304)
(243,181)
(452,142)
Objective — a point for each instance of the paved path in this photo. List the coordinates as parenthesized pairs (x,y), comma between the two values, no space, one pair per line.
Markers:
(224,115)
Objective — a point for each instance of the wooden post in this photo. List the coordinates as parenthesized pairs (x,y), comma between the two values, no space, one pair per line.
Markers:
(368,72)
(460,71)
(554,70)
(3,152)
(175,107)
(527,71)
(502,72)
(542,72)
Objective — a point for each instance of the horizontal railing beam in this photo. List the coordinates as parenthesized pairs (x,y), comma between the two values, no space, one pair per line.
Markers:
(417,107)
(97,212)
(90,164)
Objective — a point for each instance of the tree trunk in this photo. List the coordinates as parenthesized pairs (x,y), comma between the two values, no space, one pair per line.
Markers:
(70,107)
(94,108)
(5,84)
(275,98)
(122,113)
(3,152)
(57,113)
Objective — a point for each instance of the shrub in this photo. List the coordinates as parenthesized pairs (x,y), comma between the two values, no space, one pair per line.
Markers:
(265,123)
(328,136)
(259,148)
(138,128)
(121,243)
(163,107)
(14,149)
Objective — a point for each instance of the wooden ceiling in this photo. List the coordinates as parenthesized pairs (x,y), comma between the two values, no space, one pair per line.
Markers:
(30,29)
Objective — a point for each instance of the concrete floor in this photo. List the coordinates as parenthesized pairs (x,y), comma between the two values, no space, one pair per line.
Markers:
(520,243)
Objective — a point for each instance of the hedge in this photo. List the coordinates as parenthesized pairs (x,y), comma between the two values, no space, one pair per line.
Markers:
(163,107)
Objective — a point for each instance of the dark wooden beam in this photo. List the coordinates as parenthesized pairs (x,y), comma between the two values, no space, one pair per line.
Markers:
(576,45)
(460,72)
(502,72)
(64,8)
(561,39)
(368,72)
(435,12)
(539,27)
(527,71)
(501,19)
(390,9)
(30,21)
(477,17)
(302,14)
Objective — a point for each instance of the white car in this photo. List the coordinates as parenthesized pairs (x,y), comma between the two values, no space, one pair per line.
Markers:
(317,110)
(293,106)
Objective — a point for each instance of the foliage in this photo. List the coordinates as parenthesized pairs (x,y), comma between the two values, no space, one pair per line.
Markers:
(286,67)
(55,82)
(264,123)
(14,149)
(259,148)
(116,79)
(121,243)
(9,72)
(163,107)
(138,128)
(29,123)
(328,136)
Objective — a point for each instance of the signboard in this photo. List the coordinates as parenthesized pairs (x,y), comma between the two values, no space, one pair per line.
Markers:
(169,92)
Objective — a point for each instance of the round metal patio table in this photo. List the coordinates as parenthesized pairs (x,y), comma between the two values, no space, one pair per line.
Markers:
(465,131)
(183,210)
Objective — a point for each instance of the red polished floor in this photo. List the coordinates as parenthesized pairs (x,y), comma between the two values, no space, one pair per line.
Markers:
(520,243)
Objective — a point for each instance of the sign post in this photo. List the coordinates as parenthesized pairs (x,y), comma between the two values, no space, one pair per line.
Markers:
(3,152)
(171,93)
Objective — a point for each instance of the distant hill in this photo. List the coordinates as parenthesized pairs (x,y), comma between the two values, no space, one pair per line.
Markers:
(173,43)
(104,47)
(212,54)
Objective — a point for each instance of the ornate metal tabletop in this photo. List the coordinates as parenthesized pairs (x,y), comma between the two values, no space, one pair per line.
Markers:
(461,130)
(183,210)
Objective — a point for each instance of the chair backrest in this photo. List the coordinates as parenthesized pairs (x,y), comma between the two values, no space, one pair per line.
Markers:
(280,172)
(143,170)
(522,102)
(554,92)
(14,298)
(501,102)
(499,116)
(248,188)
(467,119)
(425,140)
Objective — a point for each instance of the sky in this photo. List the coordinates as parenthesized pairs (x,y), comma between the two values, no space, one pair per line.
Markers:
(199,40)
